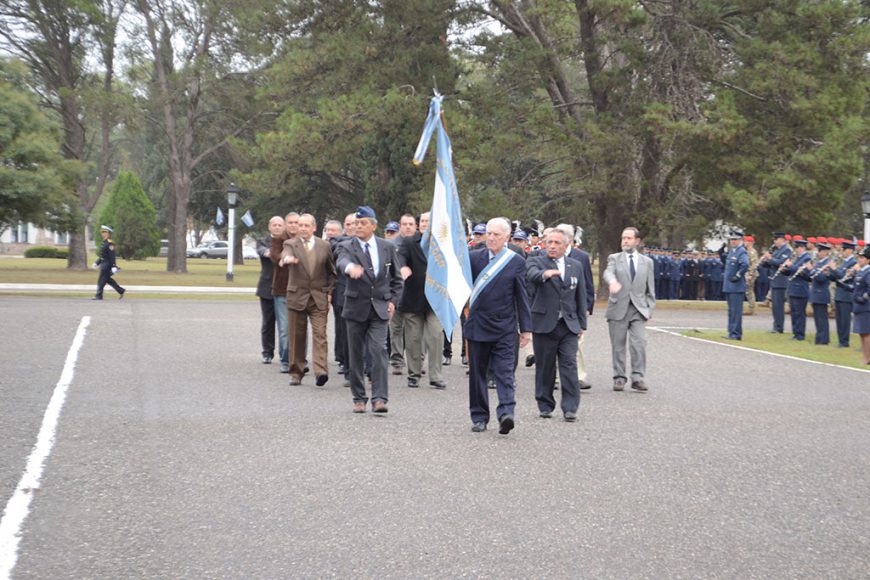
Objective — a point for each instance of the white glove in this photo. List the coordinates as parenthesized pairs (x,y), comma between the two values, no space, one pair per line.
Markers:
(115,269)
(95,265)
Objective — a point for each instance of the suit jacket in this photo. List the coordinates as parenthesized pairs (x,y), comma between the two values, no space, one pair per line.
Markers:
(367,292)
(554,297)
(279,273)
(302,283)
(413,297)
(583,258)
(641,292)
(502,307)
(264,284)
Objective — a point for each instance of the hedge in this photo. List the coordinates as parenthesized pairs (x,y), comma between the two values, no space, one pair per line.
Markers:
(46,252)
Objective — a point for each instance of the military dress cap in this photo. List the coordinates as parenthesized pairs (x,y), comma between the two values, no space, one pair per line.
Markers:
(479,229)
(823,246)
(106,229)
(799,241)
(778,235)
(391,227)
(365,211)
(735,235)
(848,244)
(520,235)
(866,252)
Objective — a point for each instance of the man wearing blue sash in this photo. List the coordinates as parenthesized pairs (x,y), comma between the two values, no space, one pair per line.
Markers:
(498,309)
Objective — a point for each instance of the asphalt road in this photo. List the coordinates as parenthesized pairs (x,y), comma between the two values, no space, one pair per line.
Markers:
(179,455)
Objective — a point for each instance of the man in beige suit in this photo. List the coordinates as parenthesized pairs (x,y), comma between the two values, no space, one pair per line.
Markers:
(631,281)
(309,293)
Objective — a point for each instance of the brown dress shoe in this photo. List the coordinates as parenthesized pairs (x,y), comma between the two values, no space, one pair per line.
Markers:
(379,407)
(618,384)
(359,407)
(639,386)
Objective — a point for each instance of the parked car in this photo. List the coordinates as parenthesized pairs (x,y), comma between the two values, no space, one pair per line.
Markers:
(197,251)
(217,249)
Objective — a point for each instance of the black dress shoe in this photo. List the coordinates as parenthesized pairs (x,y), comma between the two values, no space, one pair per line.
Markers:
(438,384)
(479,427)
(321,380)
(570,417)
(413,383)
(639,386)
(505,424)
(584,386)
(546,414)
(530,360)
(121,294)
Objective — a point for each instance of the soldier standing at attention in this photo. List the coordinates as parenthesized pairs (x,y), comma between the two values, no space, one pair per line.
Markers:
(106,263)
(844,279)
(734,284)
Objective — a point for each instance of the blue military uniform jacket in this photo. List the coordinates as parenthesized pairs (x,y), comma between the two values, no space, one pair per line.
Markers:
(820,283)
(736,265)
(779,256)
(843,292)
(861,297)
(799,286)
(106,257)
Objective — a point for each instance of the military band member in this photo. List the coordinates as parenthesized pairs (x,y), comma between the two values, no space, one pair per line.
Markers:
(734,284)
(778,279)
(820,292)
(844,281)
(796,272)
(861,303)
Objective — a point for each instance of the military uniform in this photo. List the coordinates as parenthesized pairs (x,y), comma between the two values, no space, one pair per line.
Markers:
(798,291)
(106,263)
(734,286)
(778,283)
(844,287)
(820,296)
(751,276)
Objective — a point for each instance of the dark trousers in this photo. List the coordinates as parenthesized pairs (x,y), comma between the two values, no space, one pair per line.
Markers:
(735,314)
(674,289)
(106,278)
(448,345)
(798,308)
(368,341)
(777,307)
(843,311)
(497,357)
(820,319)
(267,326)
(559,345)
(340,341)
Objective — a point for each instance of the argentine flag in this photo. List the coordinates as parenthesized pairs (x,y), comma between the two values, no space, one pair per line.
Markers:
(448,274)
(219,217)
(248,219)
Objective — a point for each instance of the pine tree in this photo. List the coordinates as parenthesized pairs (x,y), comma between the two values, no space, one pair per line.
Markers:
(133,218)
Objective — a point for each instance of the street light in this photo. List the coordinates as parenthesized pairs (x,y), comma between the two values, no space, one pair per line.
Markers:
(232,202)
(865,207)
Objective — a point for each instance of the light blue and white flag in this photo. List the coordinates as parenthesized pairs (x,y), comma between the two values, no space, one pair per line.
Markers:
(248,219)
(448,274)
(219,218)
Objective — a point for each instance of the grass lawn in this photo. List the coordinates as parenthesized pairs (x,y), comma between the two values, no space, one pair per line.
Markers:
(782,344)
(150,272)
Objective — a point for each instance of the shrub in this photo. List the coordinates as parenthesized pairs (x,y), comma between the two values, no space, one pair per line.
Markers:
(46,252)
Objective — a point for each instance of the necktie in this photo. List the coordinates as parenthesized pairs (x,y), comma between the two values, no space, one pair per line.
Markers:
(369,264)
(631,269)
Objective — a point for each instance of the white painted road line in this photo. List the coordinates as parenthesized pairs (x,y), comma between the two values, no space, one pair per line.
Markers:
(666,330)
(18,507)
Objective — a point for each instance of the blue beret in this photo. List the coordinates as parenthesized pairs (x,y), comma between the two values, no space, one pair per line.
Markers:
(365,211)
(392,227)
(479,229)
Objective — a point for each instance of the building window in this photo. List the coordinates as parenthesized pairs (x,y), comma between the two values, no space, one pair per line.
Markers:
(61,239)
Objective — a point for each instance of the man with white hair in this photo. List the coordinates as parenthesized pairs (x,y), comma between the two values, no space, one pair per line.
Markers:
(498,308)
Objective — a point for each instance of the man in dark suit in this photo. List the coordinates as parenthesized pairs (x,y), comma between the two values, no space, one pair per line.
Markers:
(264,289)
(557,294)
(373,283)
(341,354)
(498,308)
(309,290)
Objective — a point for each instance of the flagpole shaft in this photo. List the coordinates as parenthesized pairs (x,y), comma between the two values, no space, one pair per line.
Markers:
(231,242)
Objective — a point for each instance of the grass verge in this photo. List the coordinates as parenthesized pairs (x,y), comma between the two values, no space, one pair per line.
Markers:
(782,344)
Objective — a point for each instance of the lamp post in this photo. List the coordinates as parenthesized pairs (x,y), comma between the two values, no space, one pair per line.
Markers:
(865,207)
(232,202)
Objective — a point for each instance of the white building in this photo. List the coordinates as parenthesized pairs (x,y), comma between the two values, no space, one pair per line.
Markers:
(16,239)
